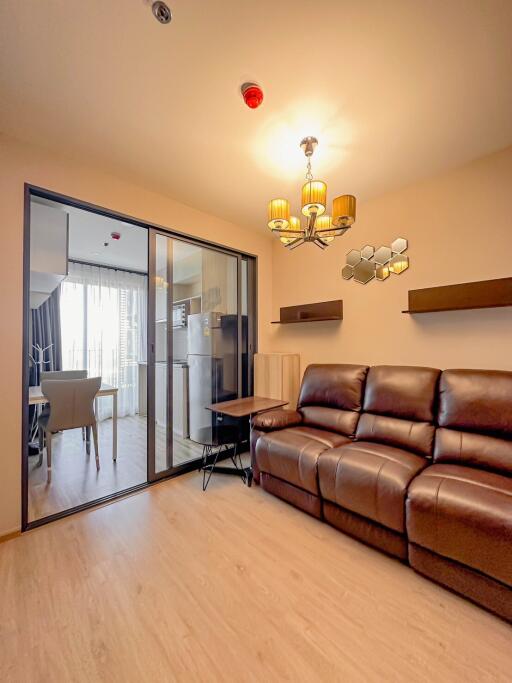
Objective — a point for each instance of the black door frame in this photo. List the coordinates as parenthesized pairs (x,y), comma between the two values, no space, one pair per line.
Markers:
(252,266)
(174,470)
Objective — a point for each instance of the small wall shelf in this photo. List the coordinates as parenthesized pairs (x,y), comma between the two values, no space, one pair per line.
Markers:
(465,296)
(310,313)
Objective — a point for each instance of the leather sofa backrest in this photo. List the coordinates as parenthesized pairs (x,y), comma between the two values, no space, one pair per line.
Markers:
(399,407)
(331,396)
(475,419)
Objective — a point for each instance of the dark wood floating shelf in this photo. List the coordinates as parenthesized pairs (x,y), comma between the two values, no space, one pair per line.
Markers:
(310,313)
(466,296)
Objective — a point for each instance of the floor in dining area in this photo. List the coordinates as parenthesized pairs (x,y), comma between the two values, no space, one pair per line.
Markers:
(231,584)
(75,479)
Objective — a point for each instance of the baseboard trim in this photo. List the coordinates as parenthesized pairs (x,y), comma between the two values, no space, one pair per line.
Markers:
(9,536)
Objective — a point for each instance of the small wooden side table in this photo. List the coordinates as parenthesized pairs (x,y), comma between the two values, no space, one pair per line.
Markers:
(240,408)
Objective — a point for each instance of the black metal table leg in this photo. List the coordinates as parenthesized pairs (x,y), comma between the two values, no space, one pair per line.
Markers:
(245,473)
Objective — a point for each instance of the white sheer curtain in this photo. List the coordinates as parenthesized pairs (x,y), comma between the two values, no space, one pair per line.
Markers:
(103,324)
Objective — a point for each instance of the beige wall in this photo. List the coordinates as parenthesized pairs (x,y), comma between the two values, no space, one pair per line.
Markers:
(459,227)
(20,164)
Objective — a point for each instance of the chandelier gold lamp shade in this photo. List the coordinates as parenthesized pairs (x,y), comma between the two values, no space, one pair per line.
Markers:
(314,197)
(317,226)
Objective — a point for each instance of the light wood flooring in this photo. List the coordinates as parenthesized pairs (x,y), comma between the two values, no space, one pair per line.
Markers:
(75,479)
(173,584)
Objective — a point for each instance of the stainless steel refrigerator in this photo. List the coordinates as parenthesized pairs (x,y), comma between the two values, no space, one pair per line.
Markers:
(213,368)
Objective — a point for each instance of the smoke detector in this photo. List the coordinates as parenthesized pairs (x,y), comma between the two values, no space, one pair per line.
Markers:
(161,12)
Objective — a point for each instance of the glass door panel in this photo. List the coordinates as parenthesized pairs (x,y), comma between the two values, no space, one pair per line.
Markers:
(205,343)
(198,333)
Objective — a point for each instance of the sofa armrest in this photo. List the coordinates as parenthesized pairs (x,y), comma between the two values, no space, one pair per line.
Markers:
(276,419)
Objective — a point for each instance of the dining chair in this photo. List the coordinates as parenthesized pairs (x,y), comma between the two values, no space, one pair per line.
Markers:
(71,407)
(63,374)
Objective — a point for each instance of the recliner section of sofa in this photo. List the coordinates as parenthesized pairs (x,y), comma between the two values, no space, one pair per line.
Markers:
(327,415)
(415,462)
(459,510)
(370,477)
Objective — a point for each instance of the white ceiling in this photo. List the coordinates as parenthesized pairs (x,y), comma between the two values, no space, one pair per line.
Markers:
(394,91)
(90,241)
(88,233)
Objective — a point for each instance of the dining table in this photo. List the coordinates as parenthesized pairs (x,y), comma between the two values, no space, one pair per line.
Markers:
(36,397)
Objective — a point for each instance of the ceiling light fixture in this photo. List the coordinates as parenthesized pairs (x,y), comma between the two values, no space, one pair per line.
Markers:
(321,229)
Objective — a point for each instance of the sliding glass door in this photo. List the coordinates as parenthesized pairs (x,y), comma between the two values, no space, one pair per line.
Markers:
(199,346)
(164,323)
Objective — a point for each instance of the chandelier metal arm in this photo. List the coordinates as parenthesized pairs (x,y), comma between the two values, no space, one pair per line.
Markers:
(287,232)
(295,243)
(320,244)
(331,232)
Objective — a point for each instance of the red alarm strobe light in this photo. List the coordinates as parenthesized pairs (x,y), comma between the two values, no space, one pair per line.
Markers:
(252,94)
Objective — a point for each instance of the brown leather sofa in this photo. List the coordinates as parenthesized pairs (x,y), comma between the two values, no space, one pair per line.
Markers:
(411,460)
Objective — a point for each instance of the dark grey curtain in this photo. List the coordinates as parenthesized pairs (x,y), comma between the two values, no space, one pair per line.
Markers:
(45,330)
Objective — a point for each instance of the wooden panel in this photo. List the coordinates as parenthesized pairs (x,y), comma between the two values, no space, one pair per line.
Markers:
(324,310)
(468,295)
(219,285)
(277,375)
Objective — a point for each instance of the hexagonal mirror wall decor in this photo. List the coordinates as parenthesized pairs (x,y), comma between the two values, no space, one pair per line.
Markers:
(399,263)
(367,252)
(369,263)
(382,272)
(364,272)
(347,272)
(353,257)
(382,255)
(399,245)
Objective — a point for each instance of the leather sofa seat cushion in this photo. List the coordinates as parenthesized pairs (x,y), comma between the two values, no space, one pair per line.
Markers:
(463,514)
(406,392)
(292,454)
(369,479)
(417,437)
(333,386)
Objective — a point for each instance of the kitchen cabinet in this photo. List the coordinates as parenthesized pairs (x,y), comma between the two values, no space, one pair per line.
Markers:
(219,282)
(48,251)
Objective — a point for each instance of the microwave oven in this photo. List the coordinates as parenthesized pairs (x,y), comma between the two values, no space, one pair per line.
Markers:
(179,315)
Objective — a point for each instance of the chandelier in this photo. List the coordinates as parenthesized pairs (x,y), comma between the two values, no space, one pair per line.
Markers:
(319,228)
